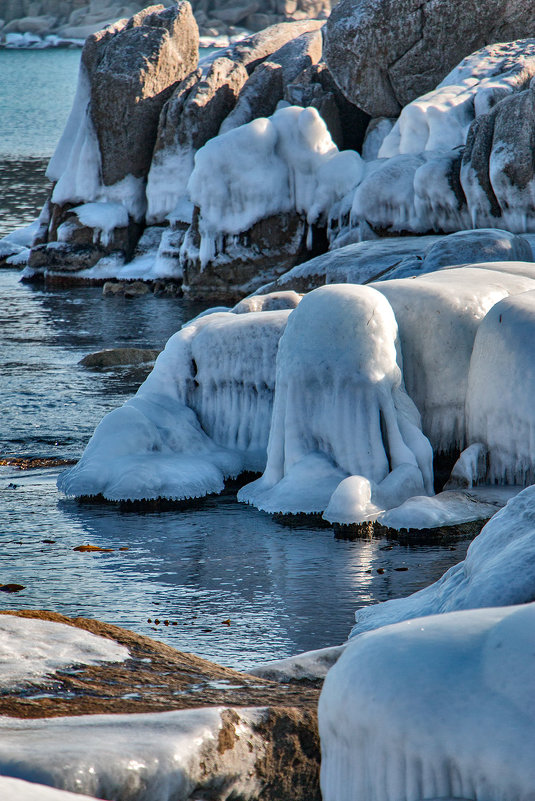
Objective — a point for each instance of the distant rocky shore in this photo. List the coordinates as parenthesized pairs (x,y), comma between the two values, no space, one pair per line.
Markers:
(53,23)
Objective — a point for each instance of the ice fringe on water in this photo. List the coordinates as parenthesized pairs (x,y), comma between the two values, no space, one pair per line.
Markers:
(440,119)
(75,167)
(165,756)
(341,415)
(436,707)
(202,415)
(287,162)
(499,569)
(31,650)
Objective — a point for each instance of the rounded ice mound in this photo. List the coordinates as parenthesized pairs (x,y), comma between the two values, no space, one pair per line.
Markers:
(436,707)
(499,403)
(202,415)
(438,315)
(340,410)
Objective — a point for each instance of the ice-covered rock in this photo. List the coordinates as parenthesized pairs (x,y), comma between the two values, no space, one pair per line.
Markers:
(440,119)
(469,247)
(202,415)
(265,88)
(271,301)
(438,707)
(316,87)
(126,74)
(191,117)
(415,192)
(357,263)
(284,167)
(385,53)
(341,415)
(501,387)
(498,165)
(499,570)
(438,315)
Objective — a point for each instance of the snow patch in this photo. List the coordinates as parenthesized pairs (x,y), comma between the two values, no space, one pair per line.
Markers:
(31,650)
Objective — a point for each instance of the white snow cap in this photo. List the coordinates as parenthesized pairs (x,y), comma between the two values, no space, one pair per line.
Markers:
(499,569)
(439,707)
(340,410)
(31,650)
(202,415)
(287,162)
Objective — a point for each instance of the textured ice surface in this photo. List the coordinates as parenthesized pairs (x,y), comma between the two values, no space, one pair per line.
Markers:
(340,410)
(501,390)
(287,162)
(499,570)
(137,757)
(439,120)
(438,315)
(19,790)
(411,192)
(448,508)
(439,707)
(31,650)
(202,415)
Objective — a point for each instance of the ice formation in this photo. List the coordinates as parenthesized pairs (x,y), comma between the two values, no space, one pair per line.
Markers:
(103,218)
(438,315)
(75,167)
(31,650)
(287,162)
(341,413)
(440,119)
(166,756)
(499,569)
(501,388)
(414,192)
(438,707)
(202,415)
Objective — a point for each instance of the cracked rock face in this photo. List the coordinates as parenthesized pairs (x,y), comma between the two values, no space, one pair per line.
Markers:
(385,53)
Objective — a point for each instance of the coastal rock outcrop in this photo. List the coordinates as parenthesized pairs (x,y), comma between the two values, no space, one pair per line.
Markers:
(385,53)
(205,730)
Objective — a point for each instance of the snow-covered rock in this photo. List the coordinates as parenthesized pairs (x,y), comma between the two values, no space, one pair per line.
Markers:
(498,166)
(32,650)
(384,54)
(202,415)
(438,707)
(440,119)
(282,169)
(341,415)
(191,116)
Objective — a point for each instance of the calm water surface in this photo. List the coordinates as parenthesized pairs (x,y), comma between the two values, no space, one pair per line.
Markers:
(284,590)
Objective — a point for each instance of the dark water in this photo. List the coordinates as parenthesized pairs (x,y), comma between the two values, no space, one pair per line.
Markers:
(284,590)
